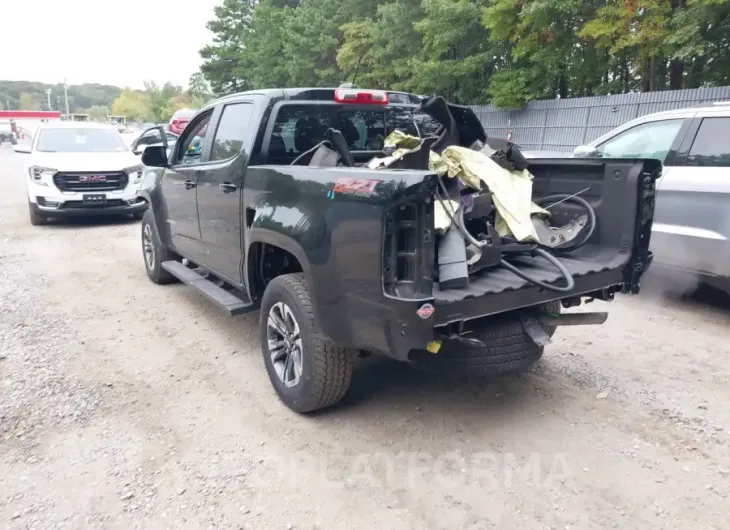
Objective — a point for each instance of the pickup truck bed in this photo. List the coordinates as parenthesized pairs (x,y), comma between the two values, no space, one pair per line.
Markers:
(617,191)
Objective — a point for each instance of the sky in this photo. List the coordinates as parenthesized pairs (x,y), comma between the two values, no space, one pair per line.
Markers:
(115,42)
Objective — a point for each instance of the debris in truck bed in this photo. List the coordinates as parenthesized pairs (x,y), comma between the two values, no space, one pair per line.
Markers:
(442,219)
(397,145)
(511,190)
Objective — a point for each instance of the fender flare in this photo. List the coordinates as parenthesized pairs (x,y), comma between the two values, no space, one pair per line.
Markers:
(291,245)
(281,240)
(158,217)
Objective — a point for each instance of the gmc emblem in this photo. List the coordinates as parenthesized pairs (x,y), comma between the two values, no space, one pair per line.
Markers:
(92,178)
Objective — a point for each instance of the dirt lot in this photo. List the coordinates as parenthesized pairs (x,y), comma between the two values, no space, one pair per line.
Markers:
(128,405)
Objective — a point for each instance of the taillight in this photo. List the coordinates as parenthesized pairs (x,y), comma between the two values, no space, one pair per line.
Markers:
(362,97)
(408,251)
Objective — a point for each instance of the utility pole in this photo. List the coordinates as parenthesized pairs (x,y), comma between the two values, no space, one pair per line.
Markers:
(65,95)
(58,101)
(48,94)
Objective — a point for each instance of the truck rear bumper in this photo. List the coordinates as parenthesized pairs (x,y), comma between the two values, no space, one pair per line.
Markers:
(512,300)
(499,290)
(407,331)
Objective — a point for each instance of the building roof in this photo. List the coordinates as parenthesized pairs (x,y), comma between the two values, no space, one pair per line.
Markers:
(34,114)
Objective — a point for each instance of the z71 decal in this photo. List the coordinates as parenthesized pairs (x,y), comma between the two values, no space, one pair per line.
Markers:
(351,186)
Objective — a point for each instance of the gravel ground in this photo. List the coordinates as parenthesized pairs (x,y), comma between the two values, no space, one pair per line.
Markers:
(128,405)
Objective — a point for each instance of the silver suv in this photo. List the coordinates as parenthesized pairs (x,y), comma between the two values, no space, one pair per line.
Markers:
(692,220)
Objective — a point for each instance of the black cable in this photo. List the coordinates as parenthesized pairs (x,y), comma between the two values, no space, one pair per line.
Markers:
(564,197)
(460,221)
(570,283)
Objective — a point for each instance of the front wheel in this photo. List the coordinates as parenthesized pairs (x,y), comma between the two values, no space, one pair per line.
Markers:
(307,370)
(36,216)
(154,252)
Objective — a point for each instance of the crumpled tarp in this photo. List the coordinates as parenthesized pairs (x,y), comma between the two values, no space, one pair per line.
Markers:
(400,140)
(511,190)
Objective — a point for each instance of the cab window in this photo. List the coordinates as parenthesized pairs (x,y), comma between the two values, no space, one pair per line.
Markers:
(648,140)
(193,142)
(298,128)
(231,133)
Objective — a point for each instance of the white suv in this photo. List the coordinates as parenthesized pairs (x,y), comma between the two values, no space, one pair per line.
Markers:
(692,217)
(81,168)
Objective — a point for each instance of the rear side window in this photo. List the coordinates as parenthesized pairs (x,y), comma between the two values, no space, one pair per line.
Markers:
(231,131)
(298,128)
(711,147)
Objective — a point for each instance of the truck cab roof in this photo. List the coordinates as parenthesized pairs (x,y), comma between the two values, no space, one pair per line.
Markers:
(311,94)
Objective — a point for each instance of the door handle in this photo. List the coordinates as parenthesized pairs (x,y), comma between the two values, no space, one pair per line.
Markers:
(190,184)
(227,187)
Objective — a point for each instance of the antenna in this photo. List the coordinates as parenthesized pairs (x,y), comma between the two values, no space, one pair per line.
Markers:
(357,69)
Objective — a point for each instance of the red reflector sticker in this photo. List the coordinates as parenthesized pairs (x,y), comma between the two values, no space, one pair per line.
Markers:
(425,311)
(356,186)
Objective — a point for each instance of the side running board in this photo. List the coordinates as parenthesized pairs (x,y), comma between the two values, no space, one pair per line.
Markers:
(226,300)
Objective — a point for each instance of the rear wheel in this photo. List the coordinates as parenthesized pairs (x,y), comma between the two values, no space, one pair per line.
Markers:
(307,370)
(36,216)
(507,348)
(154,252)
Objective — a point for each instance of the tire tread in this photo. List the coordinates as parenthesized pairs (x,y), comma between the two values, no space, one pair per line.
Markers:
(332,364)
(507,349)
(159,275)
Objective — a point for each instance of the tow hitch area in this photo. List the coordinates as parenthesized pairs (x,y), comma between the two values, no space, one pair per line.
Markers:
(533,325)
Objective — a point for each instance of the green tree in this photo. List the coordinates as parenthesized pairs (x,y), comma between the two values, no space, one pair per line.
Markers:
(311,42)
(507,52)
(98,113)
(28,102)
(698,43)
(457,58)
(135,105)
(223,60)
(198,85)
(264,60)
(382,49)
(634,32)
(159,98)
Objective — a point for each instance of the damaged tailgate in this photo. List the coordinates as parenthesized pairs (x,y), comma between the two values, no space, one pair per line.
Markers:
(621,193)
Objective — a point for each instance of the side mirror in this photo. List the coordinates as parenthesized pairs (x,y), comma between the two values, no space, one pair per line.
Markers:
(23,149)
(585,151)
(155,156)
